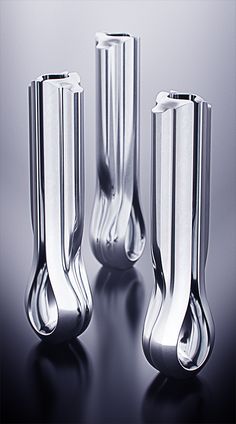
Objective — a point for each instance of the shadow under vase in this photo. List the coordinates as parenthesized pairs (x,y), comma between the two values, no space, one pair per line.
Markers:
(60,379)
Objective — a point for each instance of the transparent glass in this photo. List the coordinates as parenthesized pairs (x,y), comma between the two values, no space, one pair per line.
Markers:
(58,299)
(178,333)
(117,227)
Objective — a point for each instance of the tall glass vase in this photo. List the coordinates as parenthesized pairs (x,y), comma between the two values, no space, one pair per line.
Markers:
(117,227)
(58,299)
(178,333)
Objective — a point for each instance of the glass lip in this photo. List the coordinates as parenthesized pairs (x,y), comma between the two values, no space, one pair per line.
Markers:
(182,96)
(117,34)
(62,75)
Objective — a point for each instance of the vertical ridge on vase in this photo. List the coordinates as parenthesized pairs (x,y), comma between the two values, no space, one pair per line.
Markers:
(117,227)
(178,334)
(58,299)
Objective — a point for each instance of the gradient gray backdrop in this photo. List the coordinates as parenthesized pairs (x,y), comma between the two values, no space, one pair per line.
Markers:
(185,45)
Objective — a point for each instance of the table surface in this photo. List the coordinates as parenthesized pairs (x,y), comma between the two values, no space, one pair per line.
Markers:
(103,376)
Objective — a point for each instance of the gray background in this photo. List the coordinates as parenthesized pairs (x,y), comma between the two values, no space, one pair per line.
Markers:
(187,46)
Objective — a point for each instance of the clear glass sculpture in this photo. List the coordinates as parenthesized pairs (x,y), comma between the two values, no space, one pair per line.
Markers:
(58,299)
(117,227)
(178,333)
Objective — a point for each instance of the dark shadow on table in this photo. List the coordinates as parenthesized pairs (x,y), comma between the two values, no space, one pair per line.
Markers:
(118,316)
(168,400)
(60,378)
(121,289)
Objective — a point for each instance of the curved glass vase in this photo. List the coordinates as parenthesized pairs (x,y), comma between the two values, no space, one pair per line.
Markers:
(117,227)
(58,299)
(178,333)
